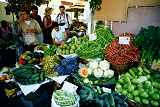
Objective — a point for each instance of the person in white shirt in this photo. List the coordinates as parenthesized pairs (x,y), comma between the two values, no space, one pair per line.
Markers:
(30,29)
(63,19)
(58,36)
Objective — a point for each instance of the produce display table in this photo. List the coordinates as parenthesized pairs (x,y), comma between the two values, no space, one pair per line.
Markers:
(88,73)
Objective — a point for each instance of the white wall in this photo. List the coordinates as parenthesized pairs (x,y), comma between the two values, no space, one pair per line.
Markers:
(137,18)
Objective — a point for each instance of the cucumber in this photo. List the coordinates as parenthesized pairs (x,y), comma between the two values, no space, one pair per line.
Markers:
(144,95)
(156,85)
(140,69)
(137,99)
(107,102)
(131,71)
(135,70)
(145,101)
(35,77)
(111,100)
(135,93)
(156,76)
(155,97)
(41,77)
(155,103)
(99,90)
(146,70)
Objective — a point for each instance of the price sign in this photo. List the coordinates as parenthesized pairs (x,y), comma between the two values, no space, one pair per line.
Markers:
(124,40)
(92,37)
(67,86)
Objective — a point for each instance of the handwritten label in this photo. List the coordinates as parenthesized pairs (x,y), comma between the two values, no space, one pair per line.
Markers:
(92,37)
(124,40)
(67,86)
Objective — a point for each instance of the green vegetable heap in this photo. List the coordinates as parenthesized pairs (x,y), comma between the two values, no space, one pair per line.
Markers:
(90,97)
(50,51)
(29,74)
(94,49)
(148,41)
(140,86)
(71,47)
(49,63)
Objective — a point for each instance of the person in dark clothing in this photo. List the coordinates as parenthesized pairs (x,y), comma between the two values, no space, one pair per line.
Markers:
(47,25)
(35,15)
(5,31)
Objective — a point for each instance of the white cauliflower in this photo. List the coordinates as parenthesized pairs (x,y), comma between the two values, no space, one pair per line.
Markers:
(93,64)
(90,71)
(108,73)
(98,73)
(104,65)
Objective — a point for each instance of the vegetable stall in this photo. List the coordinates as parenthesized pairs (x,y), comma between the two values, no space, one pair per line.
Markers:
(102,73)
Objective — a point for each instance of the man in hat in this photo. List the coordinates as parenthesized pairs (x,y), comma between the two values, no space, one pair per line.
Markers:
(63,19)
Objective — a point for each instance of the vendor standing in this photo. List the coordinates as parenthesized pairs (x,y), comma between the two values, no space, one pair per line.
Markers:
(29,28)
(58,37)
(63,20)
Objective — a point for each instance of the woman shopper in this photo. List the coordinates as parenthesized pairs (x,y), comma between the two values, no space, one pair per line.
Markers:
(30,29)
(47,26)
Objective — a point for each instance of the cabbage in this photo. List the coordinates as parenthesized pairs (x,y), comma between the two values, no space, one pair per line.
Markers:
(104,65)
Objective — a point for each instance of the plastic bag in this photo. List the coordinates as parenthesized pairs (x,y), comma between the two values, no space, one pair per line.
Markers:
(53,103)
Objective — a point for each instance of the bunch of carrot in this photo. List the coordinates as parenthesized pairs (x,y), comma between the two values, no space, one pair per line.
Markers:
(121,54)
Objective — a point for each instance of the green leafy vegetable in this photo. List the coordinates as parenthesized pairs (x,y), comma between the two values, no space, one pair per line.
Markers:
(148,41)
(94,49)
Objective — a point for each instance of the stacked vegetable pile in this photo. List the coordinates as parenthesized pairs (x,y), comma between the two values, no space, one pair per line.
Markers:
(67,65)
(26,57)
(49,62)
(64,98)
(97,68)
(28,74)
(119,54)
(89,97)
(96,72)
(70,48)
(30,58)
(140,86)
(148,41)
(42,47)
(94,49)
(50,51)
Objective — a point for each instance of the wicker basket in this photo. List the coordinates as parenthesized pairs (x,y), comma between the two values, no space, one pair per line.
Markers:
(120,68)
